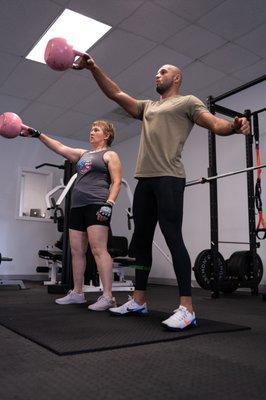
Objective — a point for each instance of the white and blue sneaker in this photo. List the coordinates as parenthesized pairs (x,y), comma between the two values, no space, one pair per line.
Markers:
(181,319)
(130,307)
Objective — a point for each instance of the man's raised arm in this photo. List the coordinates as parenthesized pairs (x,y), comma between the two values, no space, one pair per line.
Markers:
(109,88)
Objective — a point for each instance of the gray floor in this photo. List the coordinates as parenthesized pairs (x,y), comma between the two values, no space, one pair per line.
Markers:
(217,366)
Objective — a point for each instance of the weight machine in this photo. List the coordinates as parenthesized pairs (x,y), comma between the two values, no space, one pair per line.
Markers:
(10,282)
(243,268)
(53,255)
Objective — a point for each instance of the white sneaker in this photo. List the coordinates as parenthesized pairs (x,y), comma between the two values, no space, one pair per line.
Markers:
(130,307)
(103,303)
(72,298)
(181,319)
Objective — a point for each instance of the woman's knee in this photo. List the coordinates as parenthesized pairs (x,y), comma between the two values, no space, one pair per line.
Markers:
(98,249)
(78,250)
(78,243)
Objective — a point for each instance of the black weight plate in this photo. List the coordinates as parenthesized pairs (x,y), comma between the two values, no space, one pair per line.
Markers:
(239,266)
(203,269)
(229,286)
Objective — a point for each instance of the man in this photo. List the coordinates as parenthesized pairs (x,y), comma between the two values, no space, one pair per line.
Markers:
(158,197)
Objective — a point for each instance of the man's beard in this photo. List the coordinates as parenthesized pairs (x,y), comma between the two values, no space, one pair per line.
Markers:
(161,89)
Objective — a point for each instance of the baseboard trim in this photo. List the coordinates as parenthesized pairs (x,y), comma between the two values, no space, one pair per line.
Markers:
(39,277)
(194,284)
(155,281)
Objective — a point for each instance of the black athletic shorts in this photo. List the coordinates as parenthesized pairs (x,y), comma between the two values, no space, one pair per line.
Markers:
(82,217)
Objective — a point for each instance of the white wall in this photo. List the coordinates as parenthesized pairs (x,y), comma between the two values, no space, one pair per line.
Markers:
(21,239)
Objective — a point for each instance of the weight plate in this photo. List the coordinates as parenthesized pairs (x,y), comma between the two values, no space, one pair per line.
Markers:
(203,269)
(239,266)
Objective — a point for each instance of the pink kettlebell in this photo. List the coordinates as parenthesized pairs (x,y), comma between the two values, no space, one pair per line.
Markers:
(11,125)
(60,55)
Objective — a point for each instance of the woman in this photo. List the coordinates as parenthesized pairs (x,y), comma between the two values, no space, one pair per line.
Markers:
(95,191)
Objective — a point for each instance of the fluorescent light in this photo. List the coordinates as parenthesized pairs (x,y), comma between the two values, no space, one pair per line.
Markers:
(79,31)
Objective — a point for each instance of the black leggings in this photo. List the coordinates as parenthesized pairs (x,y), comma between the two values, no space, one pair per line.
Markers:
(160,200)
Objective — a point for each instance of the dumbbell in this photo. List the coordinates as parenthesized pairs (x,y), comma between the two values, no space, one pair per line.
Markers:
(59,55)
(11,125)
(5,258)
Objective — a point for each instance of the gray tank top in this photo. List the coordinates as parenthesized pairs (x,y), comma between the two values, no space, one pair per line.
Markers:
(93,180)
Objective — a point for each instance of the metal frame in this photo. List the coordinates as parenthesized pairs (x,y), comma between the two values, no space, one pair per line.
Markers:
(66,276)
(10,282)
(212,170)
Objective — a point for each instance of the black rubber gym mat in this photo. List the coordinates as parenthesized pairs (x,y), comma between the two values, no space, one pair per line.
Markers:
(72,329)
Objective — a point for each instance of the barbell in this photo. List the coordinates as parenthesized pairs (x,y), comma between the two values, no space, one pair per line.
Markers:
(215,177)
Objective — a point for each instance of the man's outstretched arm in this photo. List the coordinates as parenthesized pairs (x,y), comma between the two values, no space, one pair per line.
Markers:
(109,87)
(221,126)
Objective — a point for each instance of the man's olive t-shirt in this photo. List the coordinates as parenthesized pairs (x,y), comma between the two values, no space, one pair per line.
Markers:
(166,125)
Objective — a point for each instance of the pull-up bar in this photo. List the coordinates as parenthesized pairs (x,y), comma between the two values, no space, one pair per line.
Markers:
(258,112)
(239,89)
(227,111)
